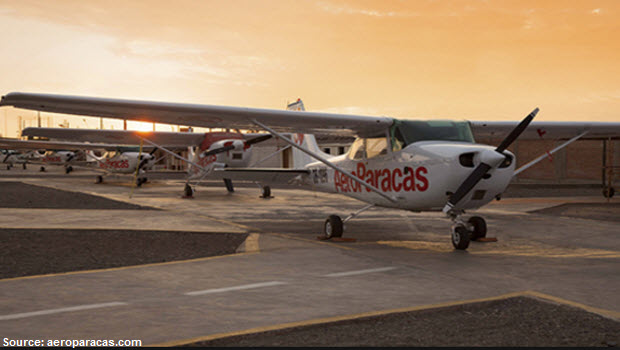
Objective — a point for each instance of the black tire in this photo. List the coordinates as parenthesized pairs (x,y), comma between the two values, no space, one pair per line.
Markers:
(140,181)
(24,166)
(266,192)
(608,192)
(460,237)
(68,169)
(333,227)
(42,169)
(188,191)
(99,179)
(480,228)
(8,167)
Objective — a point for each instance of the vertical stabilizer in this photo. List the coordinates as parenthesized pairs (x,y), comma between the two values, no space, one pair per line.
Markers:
(308,141)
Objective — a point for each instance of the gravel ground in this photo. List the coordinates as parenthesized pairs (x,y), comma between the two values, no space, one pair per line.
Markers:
(41,251)
(519,321)
(21,195)
(593,211)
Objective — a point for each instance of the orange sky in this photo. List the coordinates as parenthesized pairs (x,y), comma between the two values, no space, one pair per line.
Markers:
(493,60)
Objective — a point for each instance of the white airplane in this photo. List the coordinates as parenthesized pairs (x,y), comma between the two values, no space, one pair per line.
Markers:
(10,157)
(416,165)
(47,153)
(213,150)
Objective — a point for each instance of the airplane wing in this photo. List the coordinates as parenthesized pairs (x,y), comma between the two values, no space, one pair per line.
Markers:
(126,137)
(547,130)
(201,115)
(57,145)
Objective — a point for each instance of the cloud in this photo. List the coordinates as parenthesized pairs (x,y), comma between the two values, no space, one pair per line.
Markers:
(596,11)
(348,10)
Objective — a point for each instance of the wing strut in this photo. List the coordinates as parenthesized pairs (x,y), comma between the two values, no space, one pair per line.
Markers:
(549,153)
(174,154)
(324,161)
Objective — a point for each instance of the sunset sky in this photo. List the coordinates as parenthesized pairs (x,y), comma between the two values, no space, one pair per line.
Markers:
(478,60)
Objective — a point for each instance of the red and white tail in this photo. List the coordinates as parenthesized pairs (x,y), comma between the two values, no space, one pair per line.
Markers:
(308,141)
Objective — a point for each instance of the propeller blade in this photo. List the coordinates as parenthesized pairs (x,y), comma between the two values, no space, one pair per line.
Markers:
(482,168)
(153,151)
(516,132)
(258,139)
(219,150)
(469,183)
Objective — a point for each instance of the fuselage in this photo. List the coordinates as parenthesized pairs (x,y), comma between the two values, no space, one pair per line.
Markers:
(419,164)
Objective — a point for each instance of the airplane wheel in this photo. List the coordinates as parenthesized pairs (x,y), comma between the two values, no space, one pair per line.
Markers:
(99,179)
(609,192)
(43,169)
(188,191)
(68,170)
(480,227)
(460,237)
(24,166)
(333,227)
(266,192)
(140,181)
(8,167)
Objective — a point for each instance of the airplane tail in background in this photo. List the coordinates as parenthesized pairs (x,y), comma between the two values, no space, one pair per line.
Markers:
(308,141)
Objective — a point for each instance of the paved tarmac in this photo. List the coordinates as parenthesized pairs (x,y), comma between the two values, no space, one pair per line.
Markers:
(286,276)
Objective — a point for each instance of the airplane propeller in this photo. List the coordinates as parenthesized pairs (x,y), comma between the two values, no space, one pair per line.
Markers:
(144,160)
(249,142)
(488,160)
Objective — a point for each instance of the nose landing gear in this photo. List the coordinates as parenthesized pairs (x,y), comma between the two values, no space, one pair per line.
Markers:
(475,229)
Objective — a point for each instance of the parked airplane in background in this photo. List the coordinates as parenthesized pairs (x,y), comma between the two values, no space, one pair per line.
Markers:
(10,157)
(48,153)
(416,165)
(212,150)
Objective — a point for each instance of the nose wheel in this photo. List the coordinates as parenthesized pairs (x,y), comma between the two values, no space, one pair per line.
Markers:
(478,228)
(460,237)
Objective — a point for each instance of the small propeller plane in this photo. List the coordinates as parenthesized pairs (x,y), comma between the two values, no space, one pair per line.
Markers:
(49,153)
(10,157)
(416,165)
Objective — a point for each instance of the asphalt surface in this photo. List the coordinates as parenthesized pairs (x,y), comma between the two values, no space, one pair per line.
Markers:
(27,252)
(398,260)
(20,195)
(518,321)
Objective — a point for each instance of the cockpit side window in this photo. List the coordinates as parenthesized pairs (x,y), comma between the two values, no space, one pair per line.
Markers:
(356,151)
(376,146)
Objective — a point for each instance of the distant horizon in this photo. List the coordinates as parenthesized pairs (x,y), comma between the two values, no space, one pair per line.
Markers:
(473,60)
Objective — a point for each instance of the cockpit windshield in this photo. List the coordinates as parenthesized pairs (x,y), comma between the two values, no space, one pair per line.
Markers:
(406,132)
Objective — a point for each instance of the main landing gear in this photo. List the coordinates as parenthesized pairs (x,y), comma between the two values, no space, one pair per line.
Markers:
(334,225)
(464,232)
(188,191)
(140,181)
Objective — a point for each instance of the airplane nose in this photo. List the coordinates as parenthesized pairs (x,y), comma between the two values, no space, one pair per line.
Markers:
(491,157)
